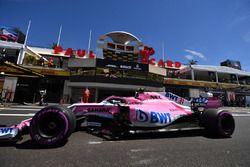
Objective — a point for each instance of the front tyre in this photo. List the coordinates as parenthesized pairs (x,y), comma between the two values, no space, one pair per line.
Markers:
(52,125)
(218,122)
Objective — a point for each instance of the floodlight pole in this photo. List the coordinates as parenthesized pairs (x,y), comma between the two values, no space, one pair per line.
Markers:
(59,36)
(163,53)
(90,32)
(27,33)
(22,50)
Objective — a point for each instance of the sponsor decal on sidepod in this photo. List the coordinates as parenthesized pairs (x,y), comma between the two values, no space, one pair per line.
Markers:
(153,118)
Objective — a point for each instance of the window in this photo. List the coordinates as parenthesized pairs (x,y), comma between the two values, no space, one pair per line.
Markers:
(134,74)
(129,48)
(109,72)
(155,77)
(102,71)
(120,47)
(83,71)
(111,45)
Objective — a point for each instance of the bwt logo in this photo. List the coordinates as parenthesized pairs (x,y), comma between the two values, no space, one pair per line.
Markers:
(5,130)
(153,117)
(171,96)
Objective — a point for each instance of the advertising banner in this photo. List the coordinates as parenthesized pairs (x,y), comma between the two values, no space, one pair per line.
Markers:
(121,65)
(8,34)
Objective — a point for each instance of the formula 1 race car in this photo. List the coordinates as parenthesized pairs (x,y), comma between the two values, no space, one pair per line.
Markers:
(116,116)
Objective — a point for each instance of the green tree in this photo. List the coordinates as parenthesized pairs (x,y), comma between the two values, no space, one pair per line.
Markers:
(192,62)
(54,44)
(21,35)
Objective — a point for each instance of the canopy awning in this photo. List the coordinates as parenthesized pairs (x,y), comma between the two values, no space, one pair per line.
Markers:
(10,69)
(10,45)
(218,69)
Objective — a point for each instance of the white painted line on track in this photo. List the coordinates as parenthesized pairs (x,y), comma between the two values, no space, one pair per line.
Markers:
(162,130)
(20,109)
(241,115)
(139,150)
(95,142)
(38,107)
(18,115)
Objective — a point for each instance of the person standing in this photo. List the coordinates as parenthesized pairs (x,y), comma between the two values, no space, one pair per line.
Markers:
(42,61)
(86,94)
(60,62)
(50,62)
(8,95)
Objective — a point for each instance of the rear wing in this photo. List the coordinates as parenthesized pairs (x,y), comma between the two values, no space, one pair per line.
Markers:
(194,102)
(176,98)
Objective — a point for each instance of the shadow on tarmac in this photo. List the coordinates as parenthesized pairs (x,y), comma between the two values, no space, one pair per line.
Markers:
(29,144)
(159,135)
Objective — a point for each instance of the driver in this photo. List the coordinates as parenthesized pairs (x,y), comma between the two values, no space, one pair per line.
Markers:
(138,92)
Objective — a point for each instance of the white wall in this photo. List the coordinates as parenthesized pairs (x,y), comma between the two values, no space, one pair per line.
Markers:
(194,92)
(157,70)
(9,86)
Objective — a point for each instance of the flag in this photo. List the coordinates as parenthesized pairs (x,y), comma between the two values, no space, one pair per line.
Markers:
(8,34)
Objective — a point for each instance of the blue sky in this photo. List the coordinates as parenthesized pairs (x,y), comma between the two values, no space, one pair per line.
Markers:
(208,31)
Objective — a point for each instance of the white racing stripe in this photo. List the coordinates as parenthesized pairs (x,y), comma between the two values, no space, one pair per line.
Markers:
(18,115)
(166,130)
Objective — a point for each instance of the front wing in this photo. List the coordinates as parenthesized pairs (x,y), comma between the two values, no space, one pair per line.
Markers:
(9,134)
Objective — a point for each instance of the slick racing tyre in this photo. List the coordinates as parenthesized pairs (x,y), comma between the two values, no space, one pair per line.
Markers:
(52,125)
(218,122)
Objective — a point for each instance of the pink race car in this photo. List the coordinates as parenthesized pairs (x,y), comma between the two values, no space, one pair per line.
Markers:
(117,116)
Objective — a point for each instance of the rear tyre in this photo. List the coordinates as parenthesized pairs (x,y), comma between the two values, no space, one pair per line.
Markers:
(218,122)
(52,125)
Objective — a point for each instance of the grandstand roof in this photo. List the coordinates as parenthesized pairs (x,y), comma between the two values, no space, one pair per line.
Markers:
(122,37)
(219,69)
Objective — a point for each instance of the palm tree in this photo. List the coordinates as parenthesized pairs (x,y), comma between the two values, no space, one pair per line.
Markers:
(192,62)
(21,35)
(54,44)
